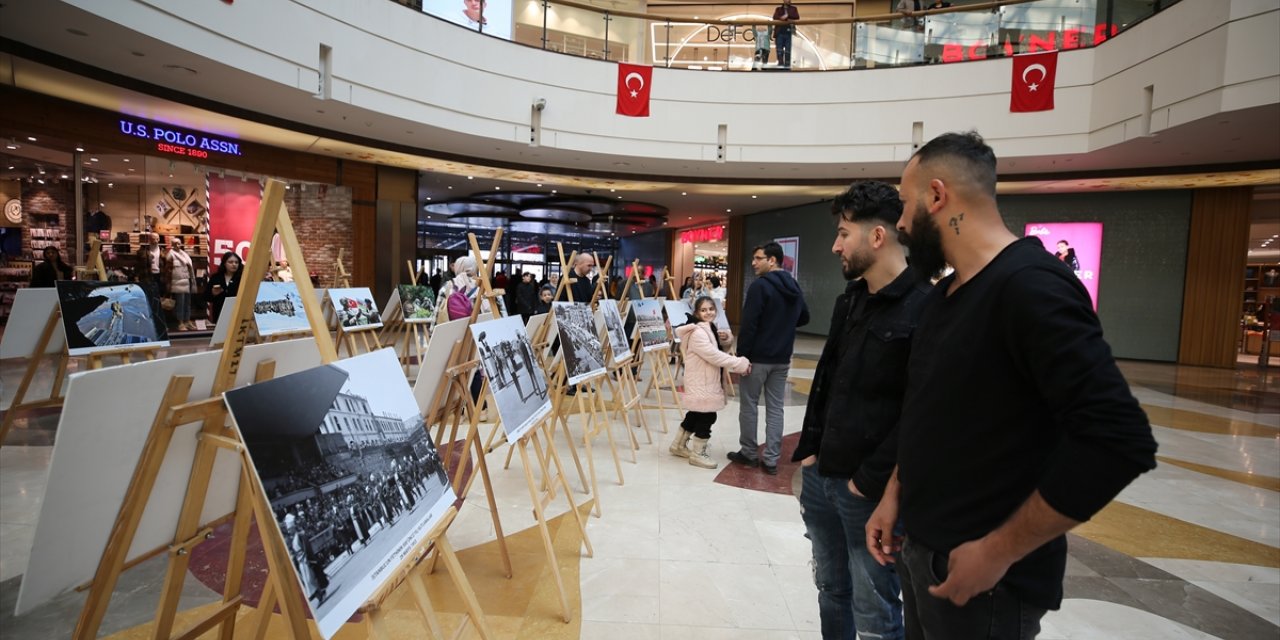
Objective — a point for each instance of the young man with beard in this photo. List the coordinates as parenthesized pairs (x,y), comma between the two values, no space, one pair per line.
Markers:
(848,445)
(1016,426)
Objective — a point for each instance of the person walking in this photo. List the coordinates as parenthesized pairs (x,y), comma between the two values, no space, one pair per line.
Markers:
(774,308)
(703,381)
(848,443)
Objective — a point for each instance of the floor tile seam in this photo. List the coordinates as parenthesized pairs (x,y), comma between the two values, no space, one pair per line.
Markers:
(1274,542)
(1165,400)
(1174,460)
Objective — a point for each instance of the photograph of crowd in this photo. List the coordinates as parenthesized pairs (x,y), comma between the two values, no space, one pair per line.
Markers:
(98,316)
(649,322)
(417,302)
(515,377)
(279,309)
(351,473)
(616,330)
(355,308)
(583,353)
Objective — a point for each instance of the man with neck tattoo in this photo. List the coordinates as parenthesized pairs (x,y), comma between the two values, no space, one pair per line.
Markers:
(1016,423)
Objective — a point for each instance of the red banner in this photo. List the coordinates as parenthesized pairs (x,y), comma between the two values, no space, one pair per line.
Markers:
(1032,83)
(633,90)
(233,210)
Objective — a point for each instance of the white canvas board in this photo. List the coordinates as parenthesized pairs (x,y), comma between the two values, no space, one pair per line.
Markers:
(649,322)
(279,309)
(611,321)
(100,437)
(436,360)
(516,380)
(107,316)
(535,324)
(27,317)
(722,320)
(391,310)
(354,478)
(224,318)
(579,341)
(355,308)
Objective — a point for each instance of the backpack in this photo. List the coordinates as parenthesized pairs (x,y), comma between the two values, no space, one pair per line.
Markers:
(459,305)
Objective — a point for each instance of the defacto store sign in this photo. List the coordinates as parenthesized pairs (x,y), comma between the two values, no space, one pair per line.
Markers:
(179,142)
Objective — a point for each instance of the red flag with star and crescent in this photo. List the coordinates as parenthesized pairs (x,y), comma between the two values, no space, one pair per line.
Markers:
(1032,83)
(633,90)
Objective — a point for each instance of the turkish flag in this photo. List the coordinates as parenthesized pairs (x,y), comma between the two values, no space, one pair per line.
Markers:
(633,90)
(1032,83)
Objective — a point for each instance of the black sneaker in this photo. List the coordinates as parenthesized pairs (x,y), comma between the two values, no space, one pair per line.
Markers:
(770,469)
(734,456)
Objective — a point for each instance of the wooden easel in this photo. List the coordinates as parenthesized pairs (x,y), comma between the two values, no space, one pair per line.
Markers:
(282,586)
(410,334)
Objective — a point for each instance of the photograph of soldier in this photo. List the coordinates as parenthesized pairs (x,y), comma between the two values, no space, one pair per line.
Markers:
(417,302)
(279,309)
(583,353)
(351,473)
(101,315)
(355,308)
(616,331)
(516,379)
(650,324)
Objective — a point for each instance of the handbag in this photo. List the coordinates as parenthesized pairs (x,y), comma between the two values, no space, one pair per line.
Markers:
(168,304)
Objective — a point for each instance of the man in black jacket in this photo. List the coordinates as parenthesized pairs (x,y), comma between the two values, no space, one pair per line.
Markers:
(773,309)
(1016,425)
(848,445)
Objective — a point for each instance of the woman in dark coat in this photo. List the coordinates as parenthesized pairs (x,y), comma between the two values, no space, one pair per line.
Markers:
(223,284)
(526,296)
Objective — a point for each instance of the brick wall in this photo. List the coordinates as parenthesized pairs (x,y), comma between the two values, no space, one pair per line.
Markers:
(321,216)
(50,198)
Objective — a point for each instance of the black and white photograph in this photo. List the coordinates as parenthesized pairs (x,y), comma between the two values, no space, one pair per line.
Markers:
(101,316)
(678,312)
(649,322)
(351,473)
(515,378)
(583,353)
(616,331)
(279,309)
(355,308)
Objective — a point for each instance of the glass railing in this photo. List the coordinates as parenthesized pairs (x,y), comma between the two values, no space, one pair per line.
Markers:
(743,37)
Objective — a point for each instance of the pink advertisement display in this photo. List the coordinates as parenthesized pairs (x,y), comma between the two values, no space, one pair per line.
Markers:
(233,210)
(1079,244)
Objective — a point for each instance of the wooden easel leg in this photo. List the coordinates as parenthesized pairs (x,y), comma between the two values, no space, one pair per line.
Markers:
(59,375)
(655,372)
(603,417)
(564,482)
(540,515)
(587,449)
(634,401)
(424,607)
(379,625)
(239,549)
(463,586)
(266,606)
(482,468)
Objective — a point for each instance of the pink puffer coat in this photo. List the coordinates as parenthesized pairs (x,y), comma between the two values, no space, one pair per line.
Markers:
(703,387)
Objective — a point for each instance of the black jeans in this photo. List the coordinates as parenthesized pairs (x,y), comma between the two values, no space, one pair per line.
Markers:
(995,615)
(698,423)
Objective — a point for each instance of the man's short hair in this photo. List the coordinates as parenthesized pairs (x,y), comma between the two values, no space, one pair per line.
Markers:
(967,156)
(771,250)
(869,201)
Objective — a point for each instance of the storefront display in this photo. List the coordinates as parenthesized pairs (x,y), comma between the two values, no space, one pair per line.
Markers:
(1079,245)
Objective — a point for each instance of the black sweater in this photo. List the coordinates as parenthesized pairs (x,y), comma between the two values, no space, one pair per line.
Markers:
(1012,389)
(773,309)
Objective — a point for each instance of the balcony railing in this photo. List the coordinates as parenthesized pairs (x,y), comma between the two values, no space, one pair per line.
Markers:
(828,37)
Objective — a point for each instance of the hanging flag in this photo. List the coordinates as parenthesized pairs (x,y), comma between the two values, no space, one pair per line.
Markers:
(633,90)
(1032,83)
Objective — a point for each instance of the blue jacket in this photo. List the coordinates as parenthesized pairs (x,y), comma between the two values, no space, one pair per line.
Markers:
(774,308)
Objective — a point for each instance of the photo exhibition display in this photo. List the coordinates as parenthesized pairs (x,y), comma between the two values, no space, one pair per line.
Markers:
(104,316)
(515,378)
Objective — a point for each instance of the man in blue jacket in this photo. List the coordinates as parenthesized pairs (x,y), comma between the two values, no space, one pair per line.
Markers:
(774,308)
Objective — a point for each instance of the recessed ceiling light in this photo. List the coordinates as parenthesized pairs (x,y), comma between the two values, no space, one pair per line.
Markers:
(428,198)
(80,149)
(471,177)
(64,176)
(31,138)
(684,193)
(539,184)
(690,217)
(553,191)
(728,210)
(612,190)
(753,197)
(619,197)
(93,159)
(126,160)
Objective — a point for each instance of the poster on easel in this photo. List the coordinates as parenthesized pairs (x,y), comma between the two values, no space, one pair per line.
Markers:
(279,309)
(678,312)
(355,308)
(616,330)
(352,475)
(650,325)
(515,378)
(583,353)
(417,303)
(105,316)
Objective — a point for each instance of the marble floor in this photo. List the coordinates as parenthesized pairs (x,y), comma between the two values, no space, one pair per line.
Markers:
(1190,550)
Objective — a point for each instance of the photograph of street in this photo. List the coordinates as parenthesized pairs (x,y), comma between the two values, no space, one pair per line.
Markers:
(515,377)
(583,353)
(98,316)
(352,475)
(355,308)
(649,322)
(279,309)
(616,330)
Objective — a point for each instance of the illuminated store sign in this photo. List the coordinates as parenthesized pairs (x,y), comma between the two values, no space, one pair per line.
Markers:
(1078,244)
(179,142)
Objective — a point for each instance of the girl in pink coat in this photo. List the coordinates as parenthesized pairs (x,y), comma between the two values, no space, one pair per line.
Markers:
(703,382)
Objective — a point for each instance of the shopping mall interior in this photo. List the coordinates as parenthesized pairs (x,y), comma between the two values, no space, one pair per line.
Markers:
(348,154)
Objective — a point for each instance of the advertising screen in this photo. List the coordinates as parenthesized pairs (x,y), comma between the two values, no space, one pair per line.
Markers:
(488,16)
(1079,244)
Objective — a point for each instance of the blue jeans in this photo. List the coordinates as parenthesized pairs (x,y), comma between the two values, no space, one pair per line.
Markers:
(997,614)
(182,306)
(783,45)
(856,596)
(772,379)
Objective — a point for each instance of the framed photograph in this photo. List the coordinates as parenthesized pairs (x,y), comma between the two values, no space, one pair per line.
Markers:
(279,309)
(649,322)
(355,308)
(417,303)
(100,316)
(790,255)
(354,480)
(616,330)
(515,378)
(583,353)
(678,312)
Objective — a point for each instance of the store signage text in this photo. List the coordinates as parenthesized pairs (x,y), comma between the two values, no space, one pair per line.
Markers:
(1029,43)
(729,33)
(709,234)
(179,142)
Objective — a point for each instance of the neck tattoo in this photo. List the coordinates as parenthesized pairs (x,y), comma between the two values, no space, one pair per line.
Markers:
(954,223)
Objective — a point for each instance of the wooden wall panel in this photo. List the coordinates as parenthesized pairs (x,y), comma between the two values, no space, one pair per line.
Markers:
(1217,250)
(737,260)
(363,180)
